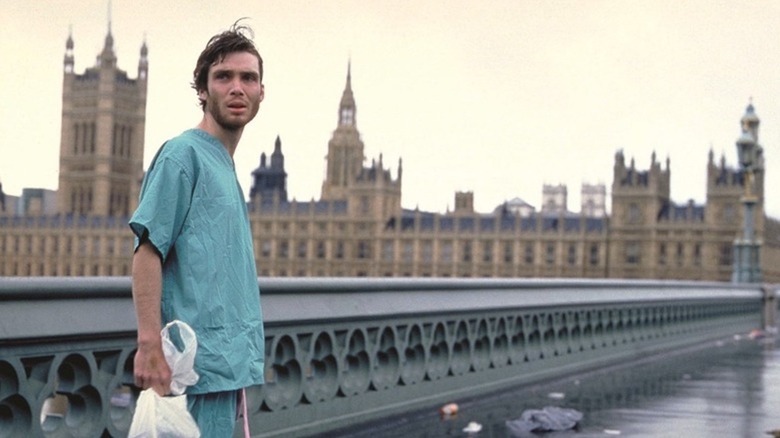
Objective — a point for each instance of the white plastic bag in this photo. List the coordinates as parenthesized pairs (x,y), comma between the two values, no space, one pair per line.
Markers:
(162,417)
(181,362)
(168,417)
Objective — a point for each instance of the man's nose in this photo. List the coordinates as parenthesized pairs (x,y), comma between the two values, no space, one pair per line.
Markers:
(235,86)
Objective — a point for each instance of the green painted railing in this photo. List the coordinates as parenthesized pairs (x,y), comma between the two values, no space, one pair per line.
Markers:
(344,351)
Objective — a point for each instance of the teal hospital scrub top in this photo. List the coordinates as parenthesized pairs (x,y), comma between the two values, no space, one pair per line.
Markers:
(192,210)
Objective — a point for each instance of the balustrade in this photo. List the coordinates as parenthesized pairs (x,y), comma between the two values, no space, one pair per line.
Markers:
(341,351)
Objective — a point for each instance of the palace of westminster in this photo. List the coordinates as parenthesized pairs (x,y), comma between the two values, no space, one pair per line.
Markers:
(358,227)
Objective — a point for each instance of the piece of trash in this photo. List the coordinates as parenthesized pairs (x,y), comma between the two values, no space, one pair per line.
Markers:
(472,427)
(556,395)
(449,410)
(611,432)
(757,334)
(737,337)
(547,419)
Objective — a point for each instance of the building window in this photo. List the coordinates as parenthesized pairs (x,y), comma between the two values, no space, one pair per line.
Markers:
(265,248)
(127,245)
(508,254)
(726,255)
(302,249)
(633,253)
(529,254)
(340,249)
(661,254)
(697,254)
(549,254)
(680,255)
(446,251)
(487,251)
(388,251)
(426,251)
(594,254)
(408,250)
(284,249)
(572,255)
(363,249)
(634,213)
(320,249)
(466,252)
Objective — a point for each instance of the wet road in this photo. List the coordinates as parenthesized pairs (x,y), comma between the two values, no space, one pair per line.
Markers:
(727,389)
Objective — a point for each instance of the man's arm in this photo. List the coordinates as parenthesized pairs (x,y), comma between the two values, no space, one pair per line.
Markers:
(150,368)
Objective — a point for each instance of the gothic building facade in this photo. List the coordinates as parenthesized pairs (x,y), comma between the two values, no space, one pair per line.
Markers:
(358,226)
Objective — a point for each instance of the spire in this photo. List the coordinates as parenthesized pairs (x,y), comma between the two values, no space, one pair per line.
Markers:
(347,107)
(69,59)
(107,57)
(277,158)
(143,61)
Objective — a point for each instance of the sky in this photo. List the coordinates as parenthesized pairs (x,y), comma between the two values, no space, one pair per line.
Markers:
(494,97)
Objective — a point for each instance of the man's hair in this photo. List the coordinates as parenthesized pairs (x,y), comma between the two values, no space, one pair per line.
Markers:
(232,40)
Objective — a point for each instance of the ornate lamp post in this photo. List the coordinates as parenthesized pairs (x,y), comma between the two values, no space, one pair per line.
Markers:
(747,267)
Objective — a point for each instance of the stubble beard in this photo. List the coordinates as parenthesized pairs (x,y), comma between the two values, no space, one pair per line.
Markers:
(223,118)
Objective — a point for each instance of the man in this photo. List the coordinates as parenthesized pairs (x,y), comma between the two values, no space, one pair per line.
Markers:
(194,259)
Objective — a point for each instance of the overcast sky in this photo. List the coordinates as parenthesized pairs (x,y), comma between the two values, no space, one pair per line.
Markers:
(494,97)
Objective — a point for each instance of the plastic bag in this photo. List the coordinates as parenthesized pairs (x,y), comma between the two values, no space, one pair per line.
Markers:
(168,417)
(162,417)
(181,362)
(548,419)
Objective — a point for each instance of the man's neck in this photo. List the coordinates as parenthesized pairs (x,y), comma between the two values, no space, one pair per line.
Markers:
(228,138)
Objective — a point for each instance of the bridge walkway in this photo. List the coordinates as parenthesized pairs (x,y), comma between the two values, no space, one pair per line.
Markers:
(721,389)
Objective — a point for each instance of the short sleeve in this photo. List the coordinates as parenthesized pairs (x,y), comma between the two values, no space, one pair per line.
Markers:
(164,203)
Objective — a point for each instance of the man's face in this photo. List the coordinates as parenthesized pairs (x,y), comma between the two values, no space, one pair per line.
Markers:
(234,91)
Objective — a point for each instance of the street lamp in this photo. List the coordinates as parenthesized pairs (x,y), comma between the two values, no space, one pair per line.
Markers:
(747,266)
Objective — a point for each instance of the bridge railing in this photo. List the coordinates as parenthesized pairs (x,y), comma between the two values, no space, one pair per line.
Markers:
(342,351)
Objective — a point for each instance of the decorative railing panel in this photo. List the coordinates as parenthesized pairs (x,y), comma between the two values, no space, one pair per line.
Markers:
(342,351)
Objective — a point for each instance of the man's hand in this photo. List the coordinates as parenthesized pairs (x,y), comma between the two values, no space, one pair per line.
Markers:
(150,368)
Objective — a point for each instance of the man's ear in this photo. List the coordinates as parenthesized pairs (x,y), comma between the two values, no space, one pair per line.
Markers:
(262,92)
(203,94)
